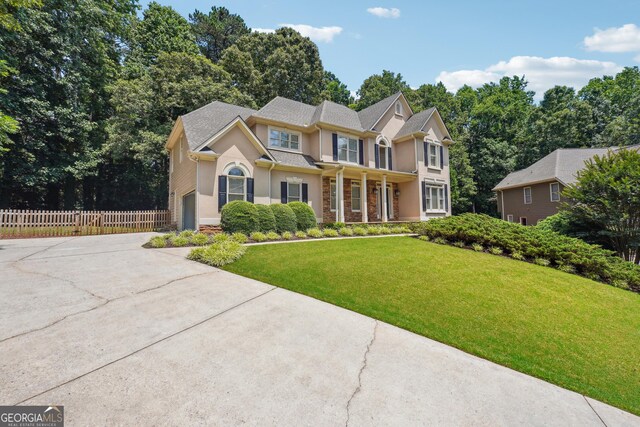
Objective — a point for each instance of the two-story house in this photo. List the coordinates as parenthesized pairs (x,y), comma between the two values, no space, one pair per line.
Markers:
(381,164)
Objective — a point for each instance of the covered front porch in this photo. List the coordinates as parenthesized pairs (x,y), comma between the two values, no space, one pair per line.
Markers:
(359,195)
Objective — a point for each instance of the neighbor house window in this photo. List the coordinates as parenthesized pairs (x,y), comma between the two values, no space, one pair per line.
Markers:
(555,192)
(347,149)
(281,138)
(293,192)
(432,155)
(523,220)
(356,196)
(510,218)
(527,195)
(383,154)
(399,108)
(236,185)
(332,195)
(435,198)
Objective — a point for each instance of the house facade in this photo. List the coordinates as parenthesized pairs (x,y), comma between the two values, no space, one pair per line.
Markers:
(381,164)
(530,195)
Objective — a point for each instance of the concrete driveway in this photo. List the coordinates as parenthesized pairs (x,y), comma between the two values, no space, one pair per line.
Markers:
(124,335)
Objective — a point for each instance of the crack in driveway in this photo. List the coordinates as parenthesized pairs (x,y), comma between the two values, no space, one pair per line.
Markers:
(362,368)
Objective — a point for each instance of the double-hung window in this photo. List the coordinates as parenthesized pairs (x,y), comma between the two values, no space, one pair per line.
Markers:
(347,149)
(527,195)
(281,138)
(554,188)
(433,156)
(332,195)
(383,155)
(356,196)
(236,185)
(434,195)
(294,194)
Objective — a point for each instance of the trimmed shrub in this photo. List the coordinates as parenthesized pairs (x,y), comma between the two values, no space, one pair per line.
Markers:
(330,232)
(458,244)
(179,241)
(495,250)
(272,235)
(266,220)
(199,239)
(334,225)
(477,247)
(567,268)
(305,216)
(316,233)
(301,235)
(424,238)
(219,237)
(187,233)
(375,230)
(258,236)
(440,241)
(168,236)
(287,235)
(158,242)
(239,216)
(517,256)
(240,237)
(360,231)
(541,261)
(386,230)
(346,231)
(218,254)
(285,218)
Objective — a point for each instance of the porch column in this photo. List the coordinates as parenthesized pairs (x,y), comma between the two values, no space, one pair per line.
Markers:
(363,197)
(384,198)
(340,185)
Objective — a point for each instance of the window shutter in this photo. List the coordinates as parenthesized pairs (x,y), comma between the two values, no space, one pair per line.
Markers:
(305,192)
(335,147)
(283,192)
(441,156)
(250,190)
(222,191)
(446,197)
(424,196)
(361,147)
(425,145)
(377,155)
(390,165)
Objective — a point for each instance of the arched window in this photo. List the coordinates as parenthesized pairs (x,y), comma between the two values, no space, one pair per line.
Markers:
(383,154)
(236,184)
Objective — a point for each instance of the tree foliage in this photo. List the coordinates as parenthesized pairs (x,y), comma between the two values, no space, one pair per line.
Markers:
(378,87)
(217,30)
(334,90)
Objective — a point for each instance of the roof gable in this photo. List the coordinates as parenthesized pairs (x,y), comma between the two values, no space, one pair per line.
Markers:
(287,110)
(338,115)
(370,116)
(237,122)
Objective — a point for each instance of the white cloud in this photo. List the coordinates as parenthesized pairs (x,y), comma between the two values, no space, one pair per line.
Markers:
(541,73)
(383,12)
(318,34)
(622,39)
(264,30)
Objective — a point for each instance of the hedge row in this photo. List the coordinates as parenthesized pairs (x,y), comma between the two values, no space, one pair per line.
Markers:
(244,217)
(534,244)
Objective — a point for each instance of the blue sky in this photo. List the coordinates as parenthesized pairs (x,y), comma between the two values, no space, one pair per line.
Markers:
(456,42)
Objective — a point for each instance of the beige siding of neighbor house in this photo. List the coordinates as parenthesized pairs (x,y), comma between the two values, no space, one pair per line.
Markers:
(182,178)
(541,205)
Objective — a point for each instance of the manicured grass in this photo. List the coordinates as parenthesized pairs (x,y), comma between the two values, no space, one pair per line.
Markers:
(562,328)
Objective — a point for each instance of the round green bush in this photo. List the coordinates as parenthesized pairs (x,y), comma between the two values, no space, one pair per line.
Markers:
(316,233)
(240,237)
(305,216)
(158,242)
(266,219)
(218,254)
(239,216)
(287,235)
(476,246)
(272,235)
(301,235)
(345,231)
(258,236)
(219,237)
(330,232)
(285,218)
(199,239)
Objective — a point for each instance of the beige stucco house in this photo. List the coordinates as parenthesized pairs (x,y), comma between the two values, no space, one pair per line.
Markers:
(381,164)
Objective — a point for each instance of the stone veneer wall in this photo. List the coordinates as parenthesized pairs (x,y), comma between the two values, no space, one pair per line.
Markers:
(349,216)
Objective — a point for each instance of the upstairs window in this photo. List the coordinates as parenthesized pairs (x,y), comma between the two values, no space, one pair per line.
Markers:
(383,155)
(527,196)
(280,138)
(347,149)
(399,108)
(555,191)
(432,155)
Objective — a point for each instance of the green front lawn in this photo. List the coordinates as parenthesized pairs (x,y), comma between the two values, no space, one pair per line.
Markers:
(562,328)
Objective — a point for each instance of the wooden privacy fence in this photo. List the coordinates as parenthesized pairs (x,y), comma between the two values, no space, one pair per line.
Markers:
(39,223)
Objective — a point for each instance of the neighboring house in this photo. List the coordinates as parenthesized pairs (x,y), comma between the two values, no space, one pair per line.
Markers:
(384,163)
(532,194)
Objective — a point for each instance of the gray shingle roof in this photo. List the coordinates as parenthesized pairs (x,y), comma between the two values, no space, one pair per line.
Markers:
(415,123)
(370,115)
(287,111)
(294,159)
(562,165)
(203,123)
(337,115)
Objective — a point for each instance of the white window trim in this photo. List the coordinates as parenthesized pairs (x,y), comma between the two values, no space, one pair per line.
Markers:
(289,131)
(524,195)
(551,192)
(438,187)
(344,135)
(437,144)
(509,218)
(383,143)
(230,177)
(299,185)
(333,182)
(525,220)
(359,185)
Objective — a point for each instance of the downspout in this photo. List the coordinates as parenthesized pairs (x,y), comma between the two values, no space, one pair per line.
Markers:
(502,202)
(273,165)
(190,156)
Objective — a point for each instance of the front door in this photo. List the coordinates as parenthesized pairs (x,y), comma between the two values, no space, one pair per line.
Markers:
(189,211)
(389,202)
